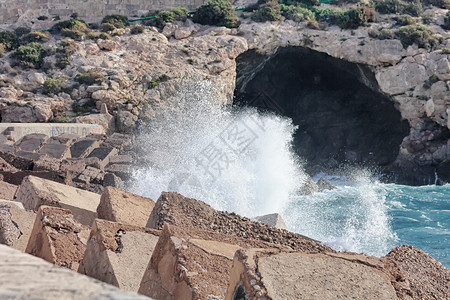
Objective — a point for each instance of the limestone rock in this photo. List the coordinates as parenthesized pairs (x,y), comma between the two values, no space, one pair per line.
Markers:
(274,220)
(125,121)
(34,192)
(7,190)
(192,264)
(268,275)
(15,224)
(309,187)
(27,277)
(120,206)
(57,237)
(108,45)
(175,209)
(118,254)
(400,78)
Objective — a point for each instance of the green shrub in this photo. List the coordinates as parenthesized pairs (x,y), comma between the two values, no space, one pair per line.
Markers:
(181,13)
(70,24)
(118,21)
(67,47)
(36,36)
(446,24)
(217,12)
(63,61)
(74,34)
(53,86)
(445,4)
(191,61)
(169,16)
(419,34)
(20,31)
(386,34)
(403,20)
(268,10)
(30,55)
(2,50)
(355,17)
(445,50)
(296,13)
(104,36)
(413,7)
(92,35)
(105,27)
(9,40)
(328,15)
(430,81)
(137,29)
(428,17)
(154,83)
(304,3)
(90,77)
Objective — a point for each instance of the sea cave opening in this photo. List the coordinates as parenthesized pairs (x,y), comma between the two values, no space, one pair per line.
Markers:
(341,115)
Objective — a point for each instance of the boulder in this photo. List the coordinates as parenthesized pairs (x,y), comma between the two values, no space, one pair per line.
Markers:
(120,206)
(309,187)
(118,254)
(7,190)
(107,45)
(27,277)
(175,209)
(57,237)
(110,179)
(324,184)
(104,154)
(15,224)
(82,148)
(193,264)
(274,220)
(35,191)
(266,274)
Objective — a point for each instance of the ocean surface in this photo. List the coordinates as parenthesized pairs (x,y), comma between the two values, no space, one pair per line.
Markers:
(240,160)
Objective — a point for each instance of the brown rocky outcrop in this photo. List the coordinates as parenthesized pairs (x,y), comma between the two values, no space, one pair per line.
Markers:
(118,254)
(58,238)
(175,209)
(120,206)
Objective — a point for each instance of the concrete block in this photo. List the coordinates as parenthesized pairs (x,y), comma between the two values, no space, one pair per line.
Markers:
(119,141)
(64,139)
(193,264)
(15,224)
(118,254)
(34,192)
(120,206)
(46,163)
(121,159)
(112,180)
(7,190)
(31,142)
(58,238)
(266,274)
(27,277)
(123,171)
(59,151)
(104,154)
(175,209)
(83,148)
(274,220)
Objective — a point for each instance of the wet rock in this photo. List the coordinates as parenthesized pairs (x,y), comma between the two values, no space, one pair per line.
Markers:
(324,184)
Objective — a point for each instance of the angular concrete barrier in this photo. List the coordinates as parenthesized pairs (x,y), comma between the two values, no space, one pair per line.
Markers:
(35,191)
(274,220)
(7,190)
(18,130)
(298,275)
(16,224)
(118,254)
(24,276)
(188,263)
(120,206)
(58,238)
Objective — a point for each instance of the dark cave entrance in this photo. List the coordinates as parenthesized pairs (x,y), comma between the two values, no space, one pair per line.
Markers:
(340,114)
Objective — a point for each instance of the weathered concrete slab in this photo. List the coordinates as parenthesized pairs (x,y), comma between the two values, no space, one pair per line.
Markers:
(274,220)
(83,147)
(15,224)
(46,163)
(18,130)
(121,170)
(297,275)
(7,190)
(34,192)
(58,238)
(119,141)
(31,142)
(110,179)
(188,263)
(120,206)
(59,151)
(118,254)
(175,209)
(27,277)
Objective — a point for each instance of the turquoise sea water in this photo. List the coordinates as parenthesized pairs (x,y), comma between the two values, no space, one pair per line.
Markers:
(371,217)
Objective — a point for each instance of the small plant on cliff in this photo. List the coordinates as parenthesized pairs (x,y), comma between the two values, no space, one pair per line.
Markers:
(382,34)
(73,28)
(304,3)
(2,50)
(90,77)
(21,31)
(445,4)
(170,16)
(446,24)
(53,86)
(296,13)
(9,40)
(355,17)
(30,55)
(137,29)
(419,34)
(413,8)
(154,83)
(35,36)
(217,12)
(430,81)
(404,20)
(268,10)
(118,21)
(105,27)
